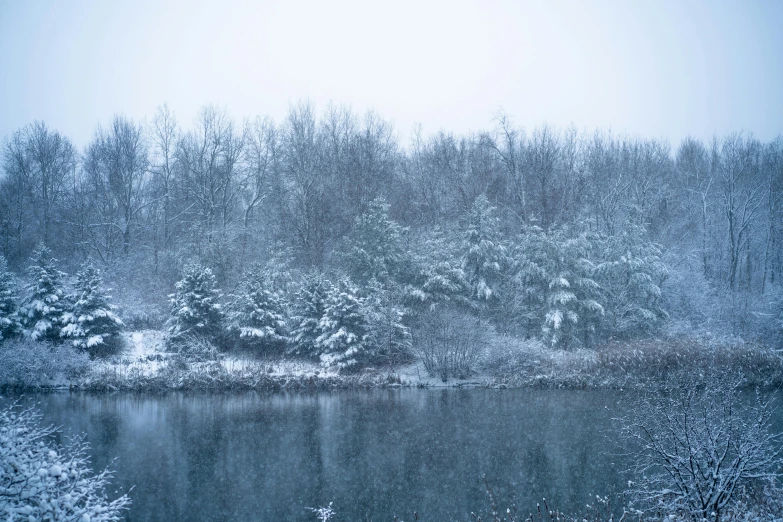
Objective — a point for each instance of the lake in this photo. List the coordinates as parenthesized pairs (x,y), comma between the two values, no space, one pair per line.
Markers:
(375,454)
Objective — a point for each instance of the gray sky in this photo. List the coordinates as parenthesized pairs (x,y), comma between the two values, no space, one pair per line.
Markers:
(659,69)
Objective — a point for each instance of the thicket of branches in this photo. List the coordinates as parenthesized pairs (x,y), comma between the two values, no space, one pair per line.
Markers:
(567,236)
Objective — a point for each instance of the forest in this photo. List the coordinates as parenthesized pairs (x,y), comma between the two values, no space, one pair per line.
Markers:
(326,237)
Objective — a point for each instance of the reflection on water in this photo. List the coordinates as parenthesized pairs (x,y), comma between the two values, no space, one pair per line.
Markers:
(375,454)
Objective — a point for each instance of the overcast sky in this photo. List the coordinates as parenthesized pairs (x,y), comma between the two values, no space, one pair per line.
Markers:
(660,69)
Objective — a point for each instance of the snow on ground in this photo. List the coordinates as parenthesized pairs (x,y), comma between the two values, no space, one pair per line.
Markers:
(415,374)
(144,355)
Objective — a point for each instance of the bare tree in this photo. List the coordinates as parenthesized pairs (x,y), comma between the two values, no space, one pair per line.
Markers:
(211,157)
(309,207)
(738,161)
(693,164)
(117,162)
(508,143)
(773,165)
(40,163)
(608,183)
(164,135)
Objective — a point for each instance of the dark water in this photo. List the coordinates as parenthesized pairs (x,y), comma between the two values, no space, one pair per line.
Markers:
(375,454)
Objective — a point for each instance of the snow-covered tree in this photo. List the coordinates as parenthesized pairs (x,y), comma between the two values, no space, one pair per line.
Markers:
(258,318)
(438,274)
(41,480)
(343,328)
(309,307)
(556,289)
(90,320)
(388,337)
(484,256)
(44,305)
(10,321)
(631,275)
(196,311)
(374,248)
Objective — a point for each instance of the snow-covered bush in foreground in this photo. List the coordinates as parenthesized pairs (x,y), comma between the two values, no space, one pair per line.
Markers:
(41,480)
(700,452)
(32,364)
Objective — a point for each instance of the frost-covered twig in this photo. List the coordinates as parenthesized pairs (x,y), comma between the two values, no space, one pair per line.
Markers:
(40,480)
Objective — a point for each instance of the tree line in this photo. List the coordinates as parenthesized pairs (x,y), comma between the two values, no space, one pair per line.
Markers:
(571,236)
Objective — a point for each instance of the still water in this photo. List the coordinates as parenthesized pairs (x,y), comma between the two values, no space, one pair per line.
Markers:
(375,454)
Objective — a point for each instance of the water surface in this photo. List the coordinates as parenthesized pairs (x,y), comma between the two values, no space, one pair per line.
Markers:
(375,454)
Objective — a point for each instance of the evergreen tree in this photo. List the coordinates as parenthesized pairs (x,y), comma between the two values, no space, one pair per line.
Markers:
(484,256)
(10,321)
(374,248)
(309,308)
(42,309)
(343,328)
(439,274)
(631,275)
(195,308)
(90,320)
(558,294)
(259,317)
(389,339)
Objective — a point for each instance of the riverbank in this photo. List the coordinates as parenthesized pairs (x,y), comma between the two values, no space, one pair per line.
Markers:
(143,364)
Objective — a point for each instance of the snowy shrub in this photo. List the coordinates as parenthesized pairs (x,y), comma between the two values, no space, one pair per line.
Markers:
(42,480)
(257,319)
(698,449)
(90,320)
(506,355)
(43,307)
(195,308)
(10,321)
(450,343)
(32,364)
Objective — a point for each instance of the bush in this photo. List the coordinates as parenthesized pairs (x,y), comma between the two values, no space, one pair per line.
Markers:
(701,451)
(449,343)
(32,364)
(41,480)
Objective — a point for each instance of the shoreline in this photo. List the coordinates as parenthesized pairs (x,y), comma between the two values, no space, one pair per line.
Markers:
(144,366)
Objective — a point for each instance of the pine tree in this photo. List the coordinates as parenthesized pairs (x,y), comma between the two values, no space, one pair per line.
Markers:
(632,274)
(259,317)
(196,312)
(484,256)
(343,328)
(42,309)
(309,308)
(374,248)
(90,320)
(439,276)
(388,338)
(558,294)
(10,321)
